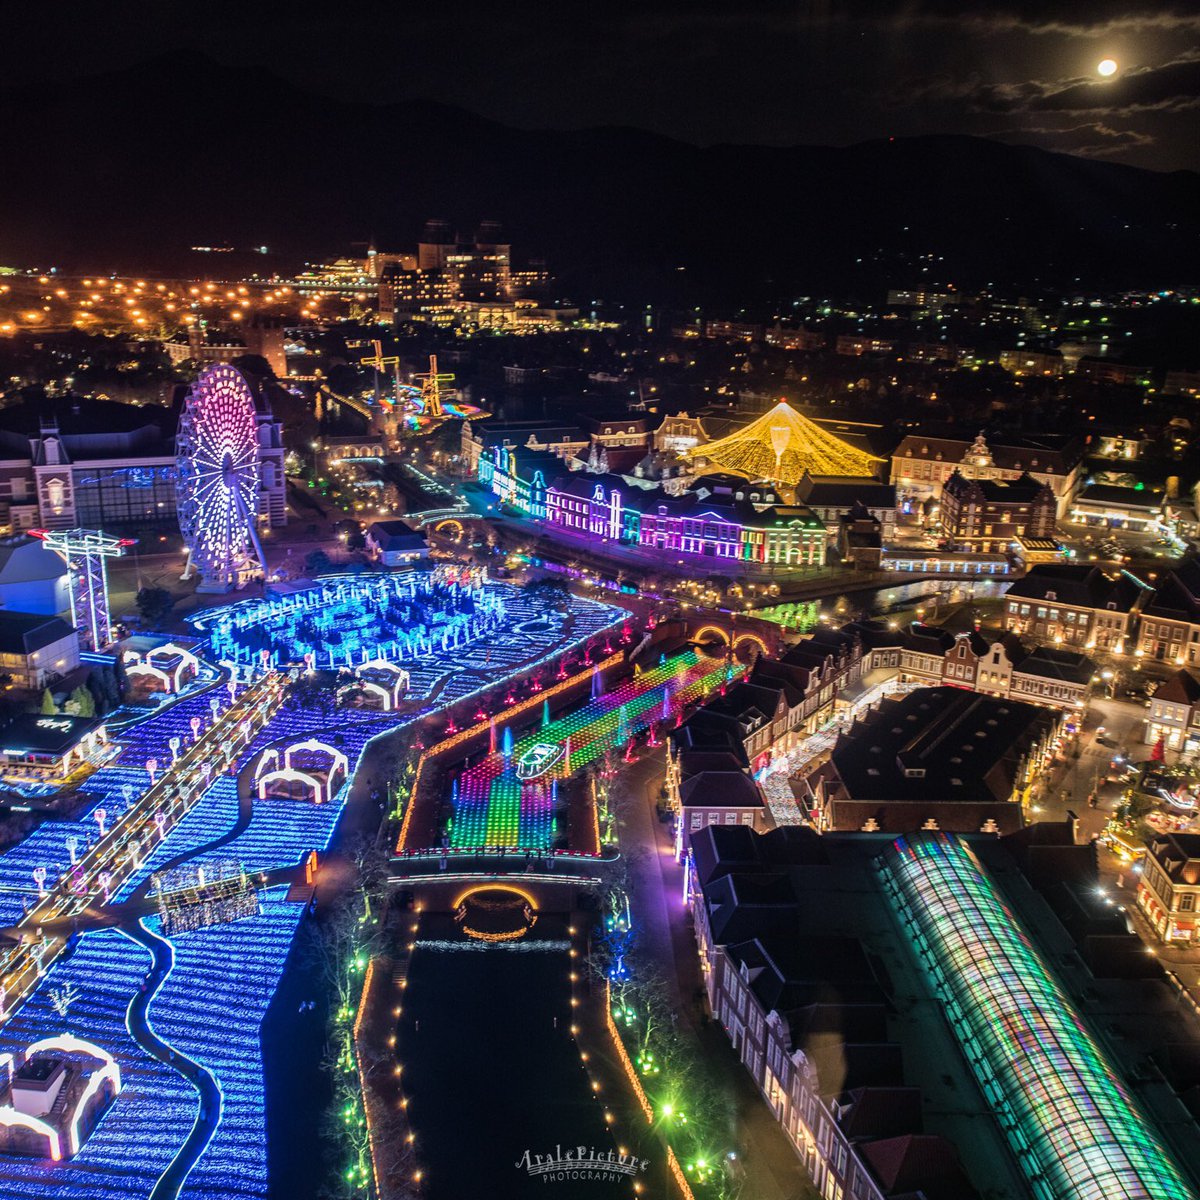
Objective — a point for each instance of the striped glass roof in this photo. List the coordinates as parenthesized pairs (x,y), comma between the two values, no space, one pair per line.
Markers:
(1076,1130)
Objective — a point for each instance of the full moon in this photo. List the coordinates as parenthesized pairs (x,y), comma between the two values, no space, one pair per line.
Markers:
(1107,66)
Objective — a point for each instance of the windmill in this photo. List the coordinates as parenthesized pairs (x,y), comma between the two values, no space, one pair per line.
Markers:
(379,361)
(431,388)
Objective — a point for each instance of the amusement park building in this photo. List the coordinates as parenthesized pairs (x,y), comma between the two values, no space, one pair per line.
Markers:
(937,758)
(396,544)
(1077,605)
(605,508)
(36,649)
(782,701)
(99,464)
(481,438)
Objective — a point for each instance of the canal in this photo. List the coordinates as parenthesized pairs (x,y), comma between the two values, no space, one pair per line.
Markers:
(490,1067)
(801,616)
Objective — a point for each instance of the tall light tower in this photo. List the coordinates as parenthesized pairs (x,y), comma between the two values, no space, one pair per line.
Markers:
(86,551)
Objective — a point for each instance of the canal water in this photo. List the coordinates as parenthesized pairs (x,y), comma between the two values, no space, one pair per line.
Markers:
(490,1068)
(801,616)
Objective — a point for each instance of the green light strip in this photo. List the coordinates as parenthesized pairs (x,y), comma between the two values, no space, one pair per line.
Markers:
(1073,1125)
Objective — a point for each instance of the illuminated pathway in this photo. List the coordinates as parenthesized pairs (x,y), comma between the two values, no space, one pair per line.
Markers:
(508,799)
(774,777)
(137,1021)
(147,822)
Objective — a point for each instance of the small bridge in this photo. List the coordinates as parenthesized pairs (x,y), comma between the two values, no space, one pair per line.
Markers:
(739,633)
(450,522)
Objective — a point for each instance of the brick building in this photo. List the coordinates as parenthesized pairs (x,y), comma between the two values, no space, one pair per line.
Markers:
(989,515)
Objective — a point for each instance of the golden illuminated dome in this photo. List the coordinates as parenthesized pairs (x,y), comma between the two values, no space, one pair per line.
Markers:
(782,446)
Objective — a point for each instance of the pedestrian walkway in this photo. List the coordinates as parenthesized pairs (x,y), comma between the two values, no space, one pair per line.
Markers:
(773,1171)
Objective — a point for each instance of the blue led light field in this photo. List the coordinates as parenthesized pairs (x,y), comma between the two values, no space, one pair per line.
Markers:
(47,845)
(211,1008)
(141,1132)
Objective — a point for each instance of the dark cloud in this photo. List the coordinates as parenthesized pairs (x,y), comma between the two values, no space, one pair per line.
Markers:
(759,71)
(1172,87)
(1090,19)
(1092,139)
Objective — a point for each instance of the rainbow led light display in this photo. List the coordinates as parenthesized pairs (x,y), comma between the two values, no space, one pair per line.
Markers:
(495,807)
(1074,1127)
(218,475)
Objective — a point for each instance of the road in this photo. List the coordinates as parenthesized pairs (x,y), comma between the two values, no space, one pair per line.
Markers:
(773,1170)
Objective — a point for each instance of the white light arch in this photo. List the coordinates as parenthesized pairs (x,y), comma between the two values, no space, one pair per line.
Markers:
(324,782)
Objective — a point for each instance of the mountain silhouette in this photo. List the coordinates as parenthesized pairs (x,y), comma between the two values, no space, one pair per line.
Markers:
(127,170)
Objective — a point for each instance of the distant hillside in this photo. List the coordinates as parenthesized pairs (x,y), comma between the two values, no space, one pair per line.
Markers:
(127,170)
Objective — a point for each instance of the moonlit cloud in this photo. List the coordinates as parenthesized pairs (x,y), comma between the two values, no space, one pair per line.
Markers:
(1171,87)
(1092,139)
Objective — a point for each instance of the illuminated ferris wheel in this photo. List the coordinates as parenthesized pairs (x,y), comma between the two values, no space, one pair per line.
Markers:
(218,472)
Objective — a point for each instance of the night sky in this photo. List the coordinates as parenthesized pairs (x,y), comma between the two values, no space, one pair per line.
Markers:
(741,71)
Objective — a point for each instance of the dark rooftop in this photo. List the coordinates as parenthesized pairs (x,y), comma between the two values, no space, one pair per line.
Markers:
(24,633)
(938,744)
(34,733)
(1080,586)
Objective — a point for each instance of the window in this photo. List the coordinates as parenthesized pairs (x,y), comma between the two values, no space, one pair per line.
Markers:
(1187,902)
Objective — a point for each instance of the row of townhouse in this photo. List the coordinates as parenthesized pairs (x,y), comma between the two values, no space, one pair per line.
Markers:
(807,1015)
(784,700)
(608,508)
(1002,667)
(1077,606)
(779,703)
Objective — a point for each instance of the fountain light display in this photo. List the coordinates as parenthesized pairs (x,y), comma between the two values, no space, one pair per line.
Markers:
(501,803)
(347,620)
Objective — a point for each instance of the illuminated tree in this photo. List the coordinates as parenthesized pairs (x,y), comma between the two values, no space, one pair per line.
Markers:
(782,445)
(62,998)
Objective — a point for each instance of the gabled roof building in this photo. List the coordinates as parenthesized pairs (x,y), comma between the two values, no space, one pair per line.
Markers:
(606,508)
